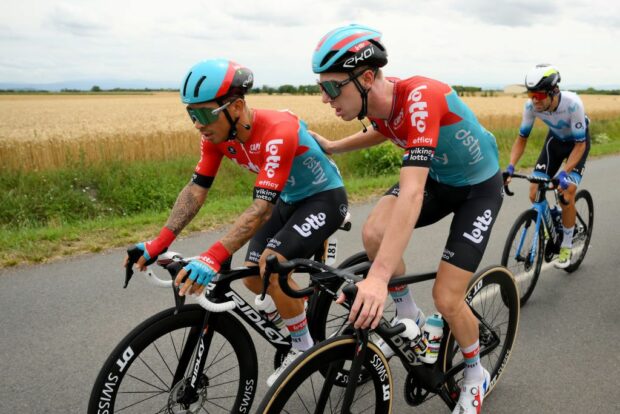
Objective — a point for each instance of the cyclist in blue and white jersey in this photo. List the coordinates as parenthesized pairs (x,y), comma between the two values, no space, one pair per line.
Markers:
(568,139)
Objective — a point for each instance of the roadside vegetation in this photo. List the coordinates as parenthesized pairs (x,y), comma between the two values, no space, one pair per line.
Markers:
(67,193)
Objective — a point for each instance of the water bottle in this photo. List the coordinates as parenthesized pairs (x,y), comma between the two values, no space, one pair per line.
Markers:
(268,308)
(556,214)
(413,334)
(433,332)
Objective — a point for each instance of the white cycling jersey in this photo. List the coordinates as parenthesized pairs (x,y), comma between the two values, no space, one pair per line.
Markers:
(567,123)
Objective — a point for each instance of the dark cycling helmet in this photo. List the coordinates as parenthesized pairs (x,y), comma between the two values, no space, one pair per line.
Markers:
(542,77)
(215,79)
(346,48)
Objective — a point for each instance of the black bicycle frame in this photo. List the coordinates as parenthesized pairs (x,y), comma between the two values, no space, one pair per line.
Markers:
(218,291)
(430,377)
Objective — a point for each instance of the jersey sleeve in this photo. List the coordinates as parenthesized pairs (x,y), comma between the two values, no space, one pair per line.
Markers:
(206,169)
(280,146)
(577,120)
(527,121)
(423,111)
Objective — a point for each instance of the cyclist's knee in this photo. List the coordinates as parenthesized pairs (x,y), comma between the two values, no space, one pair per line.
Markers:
(446,302)
(533,190)
(253,283)
(372,234)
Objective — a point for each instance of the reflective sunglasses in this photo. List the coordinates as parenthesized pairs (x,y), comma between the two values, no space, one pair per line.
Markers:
(539,96)
(332,87)
(206,116)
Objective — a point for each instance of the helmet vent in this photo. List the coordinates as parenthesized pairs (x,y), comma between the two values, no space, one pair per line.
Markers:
(185,84)
(197,88)
(328,56)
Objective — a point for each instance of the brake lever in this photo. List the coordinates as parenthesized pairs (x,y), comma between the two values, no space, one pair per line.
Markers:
(134,253)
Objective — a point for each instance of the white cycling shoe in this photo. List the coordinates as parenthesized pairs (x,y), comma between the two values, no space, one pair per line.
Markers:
(472,394)
(292,355)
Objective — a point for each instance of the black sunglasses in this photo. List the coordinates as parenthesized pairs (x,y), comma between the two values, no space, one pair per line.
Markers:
(333,88)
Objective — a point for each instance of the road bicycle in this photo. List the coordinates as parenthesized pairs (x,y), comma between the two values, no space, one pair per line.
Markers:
(196,357)
(537,234)
(320,380)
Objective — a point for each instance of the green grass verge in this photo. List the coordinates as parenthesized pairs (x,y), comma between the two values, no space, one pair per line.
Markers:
(84,208)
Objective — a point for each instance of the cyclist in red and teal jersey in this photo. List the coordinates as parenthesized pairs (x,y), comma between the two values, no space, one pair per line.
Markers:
(568,139)
(299,198)
(450,165)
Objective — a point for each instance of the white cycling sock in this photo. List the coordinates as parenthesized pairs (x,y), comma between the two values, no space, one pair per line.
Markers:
(300,334)
(567,241)
(473,369)
(405,305)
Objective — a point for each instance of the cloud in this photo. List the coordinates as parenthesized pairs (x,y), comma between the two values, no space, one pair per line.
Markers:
(9,33)
(76,21)
(510,12)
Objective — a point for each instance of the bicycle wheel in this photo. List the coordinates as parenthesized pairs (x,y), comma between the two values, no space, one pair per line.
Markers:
(583,228)
(493,296)
(148,369)
(304,388)
(521,256)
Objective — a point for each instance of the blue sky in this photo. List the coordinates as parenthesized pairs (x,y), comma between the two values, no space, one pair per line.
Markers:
(473,42)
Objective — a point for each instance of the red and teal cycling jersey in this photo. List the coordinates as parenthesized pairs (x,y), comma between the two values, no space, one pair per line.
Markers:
(440,132)
(289,162)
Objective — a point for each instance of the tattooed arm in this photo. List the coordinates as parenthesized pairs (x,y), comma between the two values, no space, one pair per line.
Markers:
(188,203)
(247,225)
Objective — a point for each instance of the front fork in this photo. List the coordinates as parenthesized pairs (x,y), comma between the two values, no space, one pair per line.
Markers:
(196,346)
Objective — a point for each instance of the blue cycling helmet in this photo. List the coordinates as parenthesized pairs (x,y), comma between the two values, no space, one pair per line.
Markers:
(215,79)
(346,48)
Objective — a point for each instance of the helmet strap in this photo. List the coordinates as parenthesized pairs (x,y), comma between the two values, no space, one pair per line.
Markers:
(364,94)
(232,133)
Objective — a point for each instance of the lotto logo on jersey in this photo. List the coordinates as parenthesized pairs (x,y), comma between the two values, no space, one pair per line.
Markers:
(480,225)
(417,109)
(312,222)
(398,119)
(272,162)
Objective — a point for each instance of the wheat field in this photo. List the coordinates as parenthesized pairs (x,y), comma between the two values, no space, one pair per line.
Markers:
(40,132)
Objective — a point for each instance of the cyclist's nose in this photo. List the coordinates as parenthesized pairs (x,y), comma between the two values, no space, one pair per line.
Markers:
(325,97)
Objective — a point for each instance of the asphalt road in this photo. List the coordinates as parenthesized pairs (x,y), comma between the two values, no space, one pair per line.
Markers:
(61,320)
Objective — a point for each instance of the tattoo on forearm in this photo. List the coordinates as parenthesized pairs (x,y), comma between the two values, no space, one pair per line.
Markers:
(245,227)
(185,209)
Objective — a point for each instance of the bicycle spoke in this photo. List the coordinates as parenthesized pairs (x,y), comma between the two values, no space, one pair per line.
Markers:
(118,410)
(163,359)
(145,382)
(150,369)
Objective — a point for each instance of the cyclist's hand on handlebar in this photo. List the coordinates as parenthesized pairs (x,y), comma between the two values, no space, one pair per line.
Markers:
(151,249)
(510,170)
(367,308)
(564,180)
(199,272)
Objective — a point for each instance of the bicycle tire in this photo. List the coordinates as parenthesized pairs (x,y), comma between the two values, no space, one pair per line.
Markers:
(292,394)
(494,286)
(583,231)
(134,377)
(525,272)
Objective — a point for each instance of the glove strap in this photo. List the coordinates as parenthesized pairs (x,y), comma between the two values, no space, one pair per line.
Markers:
(166,236)
(217,252)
